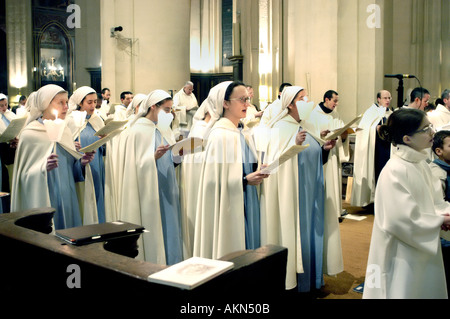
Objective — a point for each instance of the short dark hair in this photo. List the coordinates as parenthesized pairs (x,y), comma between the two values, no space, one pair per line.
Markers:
(329,94)
(402,122)
(22,98)
(122,95)
(283,85)
(418,93)
(104,90)
(230,89)
(438,139)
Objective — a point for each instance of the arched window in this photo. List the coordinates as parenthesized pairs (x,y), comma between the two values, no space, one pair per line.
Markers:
(54,52)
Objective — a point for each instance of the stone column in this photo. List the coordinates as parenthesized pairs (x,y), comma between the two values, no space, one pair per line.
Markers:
(19,48)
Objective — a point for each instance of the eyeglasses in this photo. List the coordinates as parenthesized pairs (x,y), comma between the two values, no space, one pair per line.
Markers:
(243,100)
(428,129)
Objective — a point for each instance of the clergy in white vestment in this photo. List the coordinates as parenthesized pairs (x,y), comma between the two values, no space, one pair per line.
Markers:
(120,111)
(105,105)
(326,117)
(227,217)
(84,100)
(45,172)
(371,152)
(405,255)
(149,189)
(187,103)
(292,199)
(441,115)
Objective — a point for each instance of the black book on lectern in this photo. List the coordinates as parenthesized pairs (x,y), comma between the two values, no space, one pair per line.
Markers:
(89,234)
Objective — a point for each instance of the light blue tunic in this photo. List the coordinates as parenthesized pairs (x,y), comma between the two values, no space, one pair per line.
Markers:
(311,212)
(251,200)
(169,203)
(62,191)
(98,169)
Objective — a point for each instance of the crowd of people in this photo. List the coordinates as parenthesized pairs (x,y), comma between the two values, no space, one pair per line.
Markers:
(223,197)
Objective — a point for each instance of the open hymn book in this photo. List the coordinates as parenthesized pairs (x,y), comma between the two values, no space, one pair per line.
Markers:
(338,132)
(191,272)
(288,154)
(100,142)
(13,130)
(188,145)
(111,127)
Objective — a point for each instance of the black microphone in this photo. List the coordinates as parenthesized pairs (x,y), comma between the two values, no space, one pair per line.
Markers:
(400,76)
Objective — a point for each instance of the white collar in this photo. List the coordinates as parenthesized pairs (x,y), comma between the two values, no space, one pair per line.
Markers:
(409,154)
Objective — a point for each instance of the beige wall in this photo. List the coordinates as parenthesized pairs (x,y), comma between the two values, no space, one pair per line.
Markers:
(152,51)
(87,41)
(329,44)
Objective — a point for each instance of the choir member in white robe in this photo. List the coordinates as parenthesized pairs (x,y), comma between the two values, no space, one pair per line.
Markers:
(371,153)
(42,179)
(292,199)
(326,117)
(227,217)
(441,115)
(190,179)
(84,100)
(405,257)
(149,190)
(120,111)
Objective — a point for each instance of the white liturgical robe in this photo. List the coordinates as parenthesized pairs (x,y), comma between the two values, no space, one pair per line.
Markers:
(363,189)
(439,117)
(405,257)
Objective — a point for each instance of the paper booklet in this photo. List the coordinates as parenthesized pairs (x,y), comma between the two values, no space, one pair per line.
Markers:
(13,130)
(288,154)
(188,145)
(191,273)
(100,142)
(338,132)
(111,127)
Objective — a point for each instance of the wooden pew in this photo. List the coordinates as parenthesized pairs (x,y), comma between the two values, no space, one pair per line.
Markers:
(34,262)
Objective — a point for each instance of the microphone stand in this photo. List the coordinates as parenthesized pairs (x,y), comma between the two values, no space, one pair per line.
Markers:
(400,91)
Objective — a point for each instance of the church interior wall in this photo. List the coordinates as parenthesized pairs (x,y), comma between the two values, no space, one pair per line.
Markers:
(344,45)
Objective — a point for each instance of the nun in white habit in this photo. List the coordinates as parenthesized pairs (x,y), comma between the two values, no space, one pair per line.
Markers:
(227,217)
(84,100)
(292,199)
(45,179)
(149,190)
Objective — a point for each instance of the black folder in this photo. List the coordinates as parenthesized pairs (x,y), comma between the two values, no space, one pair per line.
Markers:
(88,234)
